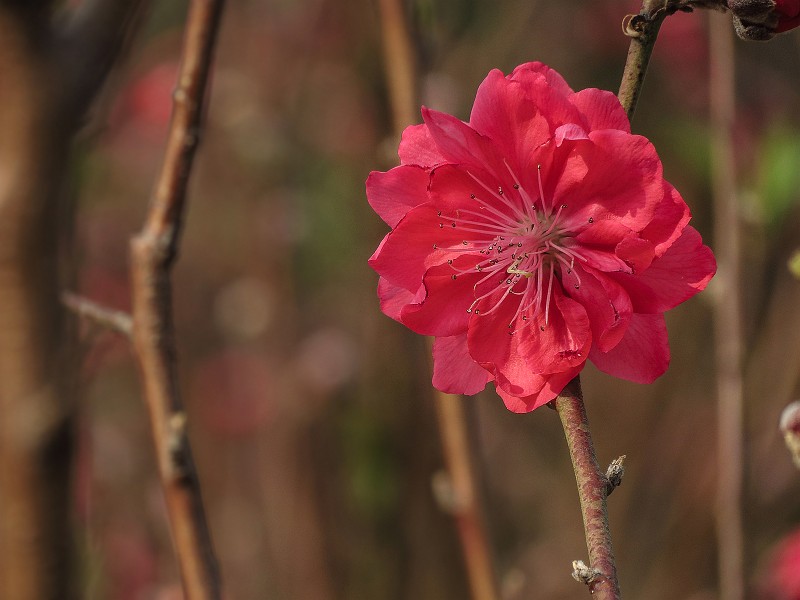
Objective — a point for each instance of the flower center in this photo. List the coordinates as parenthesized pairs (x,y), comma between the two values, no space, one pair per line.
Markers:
(523,244)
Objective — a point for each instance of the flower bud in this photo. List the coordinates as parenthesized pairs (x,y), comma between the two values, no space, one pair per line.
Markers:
(760,20)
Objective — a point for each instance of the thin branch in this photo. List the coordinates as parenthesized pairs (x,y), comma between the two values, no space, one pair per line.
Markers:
(643,31)
(601,575)
(727,315)
(463,490)
(115,320)
(152,254)
(464,498)
(89,43)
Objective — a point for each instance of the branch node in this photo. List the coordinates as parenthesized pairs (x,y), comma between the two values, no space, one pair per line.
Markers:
(582,573)
(614,474)
(115,320)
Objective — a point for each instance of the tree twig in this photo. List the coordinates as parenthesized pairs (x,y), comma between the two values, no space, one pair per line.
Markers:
(464,495)
(116,320)
(643,31)
(727,315)
(463,491)
(153,252)
(601,575)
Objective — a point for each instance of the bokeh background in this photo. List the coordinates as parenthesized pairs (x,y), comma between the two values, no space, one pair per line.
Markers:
(311,413)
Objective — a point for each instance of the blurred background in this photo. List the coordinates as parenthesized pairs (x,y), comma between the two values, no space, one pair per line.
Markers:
(311,413)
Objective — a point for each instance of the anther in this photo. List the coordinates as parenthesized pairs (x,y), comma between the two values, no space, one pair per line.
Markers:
(472,196)
(516,186)
(449,261)
(499,190)
(438,213)
(453,224)
(591,219)
(441,225)
(563,206)
(577,286)
(541,327)
(464,242)
(453,276)
(435,247)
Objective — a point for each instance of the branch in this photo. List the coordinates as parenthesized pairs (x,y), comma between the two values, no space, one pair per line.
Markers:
(463,499)
(112,319)
(462,495)
(643,31)
(152,254)
(601,575)
(89,44)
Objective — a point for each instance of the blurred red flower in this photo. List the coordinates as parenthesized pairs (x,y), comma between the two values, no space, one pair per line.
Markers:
(788,12)
(781,578)
(538,235)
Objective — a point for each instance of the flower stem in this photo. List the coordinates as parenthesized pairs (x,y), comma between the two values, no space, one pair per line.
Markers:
(643,31)
(592,491)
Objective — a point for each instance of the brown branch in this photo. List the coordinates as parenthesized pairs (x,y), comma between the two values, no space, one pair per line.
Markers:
(115,320)
(463,497)
(727,315)
(601,575)
(152,254)
(643,31)
(87,46)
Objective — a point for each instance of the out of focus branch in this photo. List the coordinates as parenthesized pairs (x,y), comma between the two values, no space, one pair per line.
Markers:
(88,44)
(601,574)
(153,251)
(37,121)
(112,319)
(727,315)
(464,498)
(463,489)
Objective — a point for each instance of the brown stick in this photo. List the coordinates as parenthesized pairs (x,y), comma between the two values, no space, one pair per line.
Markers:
(83,307)
(153,252)
(601,576)
(464,498)
(643,31)
(37,121)
(463,490)
(727,315)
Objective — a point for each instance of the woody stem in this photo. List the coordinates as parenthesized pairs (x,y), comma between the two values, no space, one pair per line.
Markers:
(592,491)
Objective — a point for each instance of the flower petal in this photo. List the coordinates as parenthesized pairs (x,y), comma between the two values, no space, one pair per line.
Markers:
(685,269)
(443,312)
(519,354)
(418,148)
(612,175)
(601,109)
(454,371)
(393,193)
(407,252)
(643,353)
(669,220)
(551,386)
(393,298)
(607,304)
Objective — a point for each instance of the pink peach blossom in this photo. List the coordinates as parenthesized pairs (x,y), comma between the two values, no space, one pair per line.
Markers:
(538,235)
